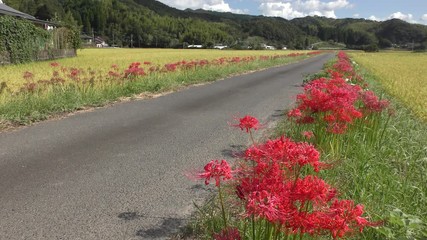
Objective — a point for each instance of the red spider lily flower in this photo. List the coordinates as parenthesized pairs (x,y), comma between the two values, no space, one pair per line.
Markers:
(296,113)
(372,103)
(264,205)
(344,217)
(216,170)
(74,73)
(28,75)
(286,152)
(171,67)
(134,70)
(228,234)
(54,64)
(247,123)
(147,63)
(308,134)
(314,189)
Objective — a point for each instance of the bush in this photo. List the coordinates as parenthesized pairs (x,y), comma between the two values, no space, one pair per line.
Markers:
(21,39)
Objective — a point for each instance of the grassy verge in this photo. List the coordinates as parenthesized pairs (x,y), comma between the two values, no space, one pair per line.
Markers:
(389,178)
(375,155)
(35,105)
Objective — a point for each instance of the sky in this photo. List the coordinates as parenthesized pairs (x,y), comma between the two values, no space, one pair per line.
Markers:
(413,11)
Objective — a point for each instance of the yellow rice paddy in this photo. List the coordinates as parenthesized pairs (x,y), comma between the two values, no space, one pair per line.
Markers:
(403,74)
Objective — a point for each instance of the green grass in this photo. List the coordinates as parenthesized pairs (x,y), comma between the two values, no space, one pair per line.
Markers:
(388,177)
(24,108)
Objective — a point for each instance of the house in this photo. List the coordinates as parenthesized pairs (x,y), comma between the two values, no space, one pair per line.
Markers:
(195,46)
(220,47)
(265,46)
(86,39)
(100,43)
(6,10)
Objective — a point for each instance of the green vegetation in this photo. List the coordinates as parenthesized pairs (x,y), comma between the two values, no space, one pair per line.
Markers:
(21,39)
(148,23)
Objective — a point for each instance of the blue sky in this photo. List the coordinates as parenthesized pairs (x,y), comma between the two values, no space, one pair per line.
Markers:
(414,11)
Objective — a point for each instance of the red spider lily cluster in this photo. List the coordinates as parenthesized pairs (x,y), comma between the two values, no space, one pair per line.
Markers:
(344,68)
(28,75)
(371,103)
(274,187)
(335,101)
(61,74)
(134,70)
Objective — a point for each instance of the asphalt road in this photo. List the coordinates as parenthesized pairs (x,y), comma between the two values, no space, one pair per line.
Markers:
(119,172)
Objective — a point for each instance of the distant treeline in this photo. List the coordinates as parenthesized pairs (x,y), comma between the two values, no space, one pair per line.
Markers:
(148,23)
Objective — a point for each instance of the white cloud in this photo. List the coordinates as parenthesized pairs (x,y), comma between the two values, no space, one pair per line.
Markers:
(356,15)
(405,17)
(300,8)
(373,18)
(279,9)
(213,5)
(424,17)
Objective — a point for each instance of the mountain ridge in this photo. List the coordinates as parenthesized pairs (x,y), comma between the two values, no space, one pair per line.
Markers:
(149,23)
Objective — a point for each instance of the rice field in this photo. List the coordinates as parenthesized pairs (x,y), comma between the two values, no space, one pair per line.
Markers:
(402,74)
(101,60)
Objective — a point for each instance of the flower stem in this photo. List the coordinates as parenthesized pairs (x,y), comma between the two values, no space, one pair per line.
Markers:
(253,227)
(252,137)
(221,200)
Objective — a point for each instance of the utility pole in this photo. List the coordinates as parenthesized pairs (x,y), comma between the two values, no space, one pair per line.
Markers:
(93,37)
(131,41)
(113,38)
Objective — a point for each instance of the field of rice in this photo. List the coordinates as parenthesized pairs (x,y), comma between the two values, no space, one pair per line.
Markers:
(403,74)
(101,60)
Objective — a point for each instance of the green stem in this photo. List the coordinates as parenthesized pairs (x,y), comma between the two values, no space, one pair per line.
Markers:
(252,137)
(244,229)
(253,227)
(222,206)
(383,131)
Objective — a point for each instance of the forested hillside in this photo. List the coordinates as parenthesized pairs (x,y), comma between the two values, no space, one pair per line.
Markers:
(148,23)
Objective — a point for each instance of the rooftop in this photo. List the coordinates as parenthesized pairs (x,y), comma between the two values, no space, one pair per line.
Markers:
(6,10)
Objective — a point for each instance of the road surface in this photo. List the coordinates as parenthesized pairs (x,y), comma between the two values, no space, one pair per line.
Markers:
(119,172)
